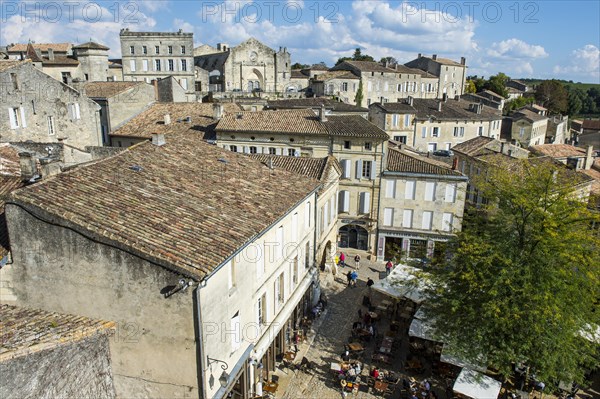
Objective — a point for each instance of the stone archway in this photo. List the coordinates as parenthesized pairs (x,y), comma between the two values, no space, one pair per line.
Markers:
(326,256)
(254,80)
(354,236)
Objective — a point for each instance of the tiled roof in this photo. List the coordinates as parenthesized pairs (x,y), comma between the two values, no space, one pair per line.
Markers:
(108,89)
(318,67)
(400,107)
(186,205)
(451,110)
(403,161)
(315,102)
(322,77)
(558,150)
(592,124)
(91,45)
(60,60)
(363,66)
(354,126)
(492,94)
(309,167)
(7,64)
(528,115)
(594,173)
(412,71)
(9,161)
(445,61)
(298,74)
(58,47)
(474,146)
(152,120)
(25,331)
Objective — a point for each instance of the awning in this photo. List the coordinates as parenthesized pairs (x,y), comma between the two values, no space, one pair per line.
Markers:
(420,327)
(476,385)
(401,283)
(449,357)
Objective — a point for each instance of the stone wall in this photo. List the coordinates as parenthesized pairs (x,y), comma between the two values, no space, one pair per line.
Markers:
(153,352)
(79,369)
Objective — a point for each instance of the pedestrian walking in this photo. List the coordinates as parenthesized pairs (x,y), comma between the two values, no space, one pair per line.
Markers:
(388,267)
(354,277)
(370,282)
(349,277)
(357,261)
(342,259)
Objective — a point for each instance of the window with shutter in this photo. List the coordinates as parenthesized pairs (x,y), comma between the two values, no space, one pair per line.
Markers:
(359,165)
(13,117)
(23,120)
(409,190)
(390,188)
(407,217)
(450,192)
(429,191)
(307,213)
(331,210)
(447,222)
(388,216)
(427,216)
(344,201)
(132,65)
(365,202)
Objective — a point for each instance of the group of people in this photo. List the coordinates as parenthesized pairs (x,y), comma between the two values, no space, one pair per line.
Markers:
(352,276)
(341,261)
(424,387)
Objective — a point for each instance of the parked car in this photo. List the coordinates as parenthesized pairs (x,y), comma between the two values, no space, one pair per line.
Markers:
(443,153)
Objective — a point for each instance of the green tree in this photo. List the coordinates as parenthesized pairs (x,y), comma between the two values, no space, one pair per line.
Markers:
(359,94)
(524,279)
(575,102)
(357,56)
(517,103)
(470,87)
(389,60)
(497,84)
(552,95)
(298,65)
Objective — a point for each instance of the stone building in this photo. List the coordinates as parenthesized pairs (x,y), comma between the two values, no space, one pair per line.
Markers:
(327,171)
(342,85)
(332,107)
(356,143)
(557,130)
(167,118)
(156,55)
(41,109)
(528,127)
(200,299)
(421,203)
(93,61)
(49,355)
(430,125)
(19,51)
(575,157)
(451,75)
(119,102)
(249,67)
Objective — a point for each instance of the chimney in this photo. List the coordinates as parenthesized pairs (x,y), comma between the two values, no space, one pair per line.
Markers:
(49,167)
(502,147)
(419,56)
(167,119)
(434,57)
(155,84)
(479,108)
(454,163)
(589,159)
(50,54)
(28,166)
(322,116)
(385,63)
(158,139)
(217,111)
(463,60)
(439,106)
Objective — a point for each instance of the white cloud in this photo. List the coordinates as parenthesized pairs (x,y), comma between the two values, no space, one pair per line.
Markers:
(584,63)
(516,49)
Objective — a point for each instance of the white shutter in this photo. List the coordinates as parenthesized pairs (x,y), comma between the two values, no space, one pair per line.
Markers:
(427,220)
(409,192)
(450,192)
(325,214)
(344,201)
(429,191)
(132,65)
(447,222)
(11,117)
(358,169)
(77,111)
(184,83)
(388,216)
(365,202)
(332,210)
(373,171)
(390,188)
(407,218)
(245,149)
(145,65)
(346,166)
(23,121)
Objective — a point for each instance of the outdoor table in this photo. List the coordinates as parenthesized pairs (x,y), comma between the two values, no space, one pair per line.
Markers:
(413,365)
(335,367)
(289,356)
(271,387)
(379,357)
(380,386)
(373,315)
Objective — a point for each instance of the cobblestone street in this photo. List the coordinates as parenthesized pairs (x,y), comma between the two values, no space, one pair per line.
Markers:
(332,330)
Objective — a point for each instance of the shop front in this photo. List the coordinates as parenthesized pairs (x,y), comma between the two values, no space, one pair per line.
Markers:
(402,245)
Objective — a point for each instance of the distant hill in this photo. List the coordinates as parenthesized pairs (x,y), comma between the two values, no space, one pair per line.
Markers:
(570,83)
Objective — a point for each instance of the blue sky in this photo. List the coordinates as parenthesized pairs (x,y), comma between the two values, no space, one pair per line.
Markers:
(543,39)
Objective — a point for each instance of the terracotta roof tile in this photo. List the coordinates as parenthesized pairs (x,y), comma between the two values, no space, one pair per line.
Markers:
(558,150)
(7,64)
(528,115)
(403,161)
(315,102)
(309,167)
(57,47)
(322,77)
(25,331)
(91,45)
(451,109)
(152,120)
(473,146)
(363,66)
(186,205)
(108,89)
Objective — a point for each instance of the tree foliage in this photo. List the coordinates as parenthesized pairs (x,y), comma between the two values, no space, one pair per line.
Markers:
(524,279)
(357,56)
(497,84)
(580,102)
(389,60)
(298,65)
(517,103)
(359,94)
(552,95)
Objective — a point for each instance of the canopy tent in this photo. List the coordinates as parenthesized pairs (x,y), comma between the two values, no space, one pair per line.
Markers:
(401,283)
(476,385)
(591,332)
(449,357)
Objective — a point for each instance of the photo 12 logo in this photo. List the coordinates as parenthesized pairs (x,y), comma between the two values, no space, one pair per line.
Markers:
(254,12)
(70,11)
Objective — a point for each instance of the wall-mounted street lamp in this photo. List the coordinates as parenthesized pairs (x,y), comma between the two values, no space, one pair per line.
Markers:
(224,378)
